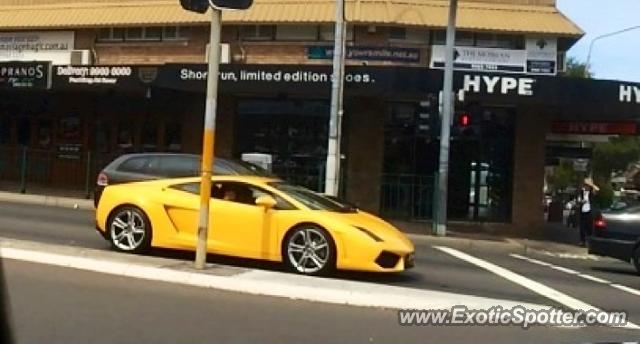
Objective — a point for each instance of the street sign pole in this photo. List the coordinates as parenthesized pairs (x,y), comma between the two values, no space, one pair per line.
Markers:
(332,175)
(440,216)
(208,139)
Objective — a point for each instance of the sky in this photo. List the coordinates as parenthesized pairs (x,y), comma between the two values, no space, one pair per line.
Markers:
(616,57)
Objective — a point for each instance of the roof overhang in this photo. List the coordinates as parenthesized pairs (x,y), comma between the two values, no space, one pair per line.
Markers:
(420,13)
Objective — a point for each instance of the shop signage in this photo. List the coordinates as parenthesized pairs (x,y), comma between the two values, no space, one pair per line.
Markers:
(595,128)
(542,55)
(269,78)
(481,59)
(54,46)
(90,75)
(411,55)
(494,84)
(34,75)
(629,94)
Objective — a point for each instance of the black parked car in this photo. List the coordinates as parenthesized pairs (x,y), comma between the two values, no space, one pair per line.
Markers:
(147,166)
(616,234)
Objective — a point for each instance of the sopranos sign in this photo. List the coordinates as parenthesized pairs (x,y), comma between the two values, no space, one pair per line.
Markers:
(34,75)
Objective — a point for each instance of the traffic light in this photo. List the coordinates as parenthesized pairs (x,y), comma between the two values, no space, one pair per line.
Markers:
(464,125)
(201,6)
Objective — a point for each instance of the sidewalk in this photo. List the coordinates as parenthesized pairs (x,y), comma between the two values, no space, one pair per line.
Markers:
(555,238)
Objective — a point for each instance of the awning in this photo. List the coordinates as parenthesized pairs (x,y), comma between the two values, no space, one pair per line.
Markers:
(421,13)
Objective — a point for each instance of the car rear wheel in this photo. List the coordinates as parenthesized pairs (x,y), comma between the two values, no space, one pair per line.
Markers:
(636,259)
(129,230)
(309,250)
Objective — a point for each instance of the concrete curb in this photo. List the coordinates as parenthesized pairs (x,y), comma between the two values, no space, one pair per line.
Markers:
(249,281)
(52,201)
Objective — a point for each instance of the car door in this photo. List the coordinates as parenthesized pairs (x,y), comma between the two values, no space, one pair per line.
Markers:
(239,226)
(182,204)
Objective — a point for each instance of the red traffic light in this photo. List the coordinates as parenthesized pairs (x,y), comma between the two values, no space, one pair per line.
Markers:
(465,119)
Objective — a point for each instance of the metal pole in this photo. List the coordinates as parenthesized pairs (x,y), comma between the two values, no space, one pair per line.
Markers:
(587,67)
(208,139)
(332,176)
(440,218)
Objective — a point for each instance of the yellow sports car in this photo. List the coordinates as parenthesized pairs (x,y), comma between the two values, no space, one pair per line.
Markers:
(252,217)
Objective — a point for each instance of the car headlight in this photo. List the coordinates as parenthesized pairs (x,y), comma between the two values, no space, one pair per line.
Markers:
(370,234)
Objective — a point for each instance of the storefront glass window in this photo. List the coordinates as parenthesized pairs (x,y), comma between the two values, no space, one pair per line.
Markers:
(480,176)
(294,132)
(5,130)
(173,137)
(125,136)
(44,133)
(24,131)
(149,136)
(103,137)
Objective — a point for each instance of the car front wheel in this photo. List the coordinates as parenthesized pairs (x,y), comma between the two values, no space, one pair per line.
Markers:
(309,250)
(129,230)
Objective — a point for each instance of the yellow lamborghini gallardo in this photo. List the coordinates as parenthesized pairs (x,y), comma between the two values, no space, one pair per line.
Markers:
(252,217)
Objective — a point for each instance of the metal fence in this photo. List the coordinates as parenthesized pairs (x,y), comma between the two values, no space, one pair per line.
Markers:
(407,196)
(36,168)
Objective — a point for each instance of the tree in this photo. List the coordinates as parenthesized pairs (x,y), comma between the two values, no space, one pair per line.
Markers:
(576,69)
(563,177)
(615,156)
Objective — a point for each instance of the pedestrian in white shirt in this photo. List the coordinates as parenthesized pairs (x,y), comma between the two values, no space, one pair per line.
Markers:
(585,206)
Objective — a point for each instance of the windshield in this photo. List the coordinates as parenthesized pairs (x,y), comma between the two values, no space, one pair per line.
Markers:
(310,199)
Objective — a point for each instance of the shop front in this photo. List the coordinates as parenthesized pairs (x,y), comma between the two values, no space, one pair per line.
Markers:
(91,114)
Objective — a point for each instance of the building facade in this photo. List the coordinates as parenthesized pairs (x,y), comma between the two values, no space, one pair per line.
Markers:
(122,76)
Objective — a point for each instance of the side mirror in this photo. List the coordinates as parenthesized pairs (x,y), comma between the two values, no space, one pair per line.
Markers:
(266,201)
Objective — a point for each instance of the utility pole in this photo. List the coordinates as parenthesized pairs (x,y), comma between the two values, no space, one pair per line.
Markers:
(332,174)
(208,137)
(208,140)
(440,215)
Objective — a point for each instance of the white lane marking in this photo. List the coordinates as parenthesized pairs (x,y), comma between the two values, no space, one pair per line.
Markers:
(528,283)
(565,270)
(585,276)
(594,279)
(627,289)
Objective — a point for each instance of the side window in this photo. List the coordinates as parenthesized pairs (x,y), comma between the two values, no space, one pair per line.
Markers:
(179,166)
(245,194)
(193,188)
(134,165)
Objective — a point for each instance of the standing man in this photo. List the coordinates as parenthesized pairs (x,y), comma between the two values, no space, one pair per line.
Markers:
(585,206)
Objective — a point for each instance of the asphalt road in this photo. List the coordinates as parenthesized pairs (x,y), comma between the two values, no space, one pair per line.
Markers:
(435,270)
(58,305)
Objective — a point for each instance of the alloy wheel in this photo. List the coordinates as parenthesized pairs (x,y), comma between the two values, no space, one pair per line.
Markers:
(308,250)
(128,230)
